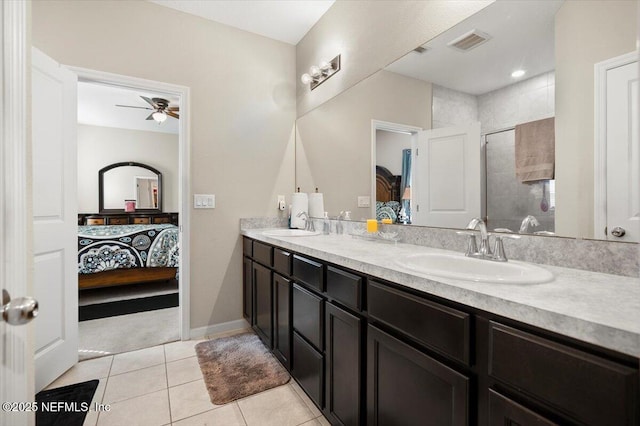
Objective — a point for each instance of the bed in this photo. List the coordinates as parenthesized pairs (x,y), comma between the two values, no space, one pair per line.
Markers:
(126,254)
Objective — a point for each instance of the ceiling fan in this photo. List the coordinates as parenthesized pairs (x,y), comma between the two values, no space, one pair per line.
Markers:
(160,108)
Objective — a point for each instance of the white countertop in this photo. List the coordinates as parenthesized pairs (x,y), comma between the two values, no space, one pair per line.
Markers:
(597,308)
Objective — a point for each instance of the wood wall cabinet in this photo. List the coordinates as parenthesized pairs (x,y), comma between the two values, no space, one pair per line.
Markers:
(372,352)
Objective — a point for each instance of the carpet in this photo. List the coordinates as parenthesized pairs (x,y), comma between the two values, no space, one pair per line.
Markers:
(125,333)
(238,366)
(65,406)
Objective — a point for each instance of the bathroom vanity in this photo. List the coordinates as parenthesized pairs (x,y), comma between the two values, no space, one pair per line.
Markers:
(372,343)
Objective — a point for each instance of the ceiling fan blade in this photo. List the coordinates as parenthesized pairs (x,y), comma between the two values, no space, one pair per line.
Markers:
(173,108)
(150,102)
(130,106)
(172,114)
(150,117)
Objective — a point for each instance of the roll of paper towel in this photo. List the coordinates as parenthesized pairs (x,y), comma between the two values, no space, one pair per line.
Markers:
(299,203)
(316,205)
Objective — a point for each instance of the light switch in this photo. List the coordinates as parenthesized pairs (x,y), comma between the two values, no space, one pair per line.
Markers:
(364,201)
(204,201)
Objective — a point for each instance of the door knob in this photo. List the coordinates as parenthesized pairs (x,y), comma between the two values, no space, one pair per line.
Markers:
(618,231)
(18,311)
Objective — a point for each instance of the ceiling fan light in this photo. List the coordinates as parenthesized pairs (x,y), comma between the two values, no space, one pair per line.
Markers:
(159,116)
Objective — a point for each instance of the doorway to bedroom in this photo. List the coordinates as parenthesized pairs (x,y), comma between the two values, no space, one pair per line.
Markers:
(129,195)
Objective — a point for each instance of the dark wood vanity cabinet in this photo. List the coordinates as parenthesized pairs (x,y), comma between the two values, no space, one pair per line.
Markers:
(282,319)
(247,290)
(372,352)
(407,387)
(263,304)
(344,401)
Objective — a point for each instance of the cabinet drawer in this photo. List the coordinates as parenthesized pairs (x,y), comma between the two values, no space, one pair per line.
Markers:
(308,272)
(588,388)
(263,253)
(308,315)
(282,261)
(161,219)
(247,246)
(344,287)
(140,220)
(308,369)
(117,221)
(503,411)
(95,221)
(438,327)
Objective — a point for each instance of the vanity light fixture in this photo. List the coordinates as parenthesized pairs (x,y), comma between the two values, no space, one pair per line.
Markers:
(318,74)
(518,73)
(159,116)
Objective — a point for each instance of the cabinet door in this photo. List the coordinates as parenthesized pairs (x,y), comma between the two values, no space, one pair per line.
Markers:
(503,411)
(308,369)
(262,302)
(282,319)
(407,387)
(308,316)
(343,378)
(247,290)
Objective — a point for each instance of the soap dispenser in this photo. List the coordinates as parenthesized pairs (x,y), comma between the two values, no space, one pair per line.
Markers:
(326,229)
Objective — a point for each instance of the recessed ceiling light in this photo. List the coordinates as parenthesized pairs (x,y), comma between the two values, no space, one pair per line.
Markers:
(517,73)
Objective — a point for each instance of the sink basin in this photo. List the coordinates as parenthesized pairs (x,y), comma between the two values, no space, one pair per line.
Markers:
(289,233)
(466,268)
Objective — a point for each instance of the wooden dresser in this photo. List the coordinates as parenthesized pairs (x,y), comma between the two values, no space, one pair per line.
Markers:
(127,218)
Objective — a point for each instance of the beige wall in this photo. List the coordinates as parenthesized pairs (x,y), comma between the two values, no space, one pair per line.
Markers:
(333,142)
(587,32)
(100,146)
(370,35)
(389,146)
(242,117)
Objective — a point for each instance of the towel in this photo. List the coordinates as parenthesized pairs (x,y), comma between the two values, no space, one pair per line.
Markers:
(535,150)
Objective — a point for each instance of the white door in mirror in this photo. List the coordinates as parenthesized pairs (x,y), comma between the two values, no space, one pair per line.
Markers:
(445,183)
(204,201)
(623,155)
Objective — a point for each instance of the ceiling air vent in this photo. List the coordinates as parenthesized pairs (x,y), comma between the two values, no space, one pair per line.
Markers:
(470,40)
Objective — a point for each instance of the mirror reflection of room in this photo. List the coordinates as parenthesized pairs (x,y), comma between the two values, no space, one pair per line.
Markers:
(518,74)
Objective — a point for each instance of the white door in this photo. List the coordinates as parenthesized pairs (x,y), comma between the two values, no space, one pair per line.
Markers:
(55,215)
(16,341)
(623,156)
(446,177)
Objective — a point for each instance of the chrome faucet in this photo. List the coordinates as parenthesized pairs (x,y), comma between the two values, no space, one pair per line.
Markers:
(478,223)
(308,223)
(498,254)
(529,220)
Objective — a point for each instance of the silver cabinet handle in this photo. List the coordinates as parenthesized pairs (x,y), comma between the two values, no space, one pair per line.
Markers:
(18,311)
(618,232)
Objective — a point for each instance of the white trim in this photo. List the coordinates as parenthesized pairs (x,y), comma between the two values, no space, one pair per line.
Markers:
(600,139)
(17,367)
(390,127)
(200,332)
(184,169)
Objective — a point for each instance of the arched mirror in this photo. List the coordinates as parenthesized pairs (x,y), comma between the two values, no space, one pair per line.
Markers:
(119,183)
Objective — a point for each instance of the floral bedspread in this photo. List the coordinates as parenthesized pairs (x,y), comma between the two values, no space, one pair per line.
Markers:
(102,248)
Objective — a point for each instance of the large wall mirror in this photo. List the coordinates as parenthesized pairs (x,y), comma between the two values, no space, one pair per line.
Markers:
(456,105)
(124,181)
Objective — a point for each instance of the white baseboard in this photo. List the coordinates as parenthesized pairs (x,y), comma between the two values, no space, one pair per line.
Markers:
(200,332)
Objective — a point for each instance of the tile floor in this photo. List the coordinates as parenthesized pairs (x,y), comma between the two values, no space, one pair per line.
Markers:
(162,385)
